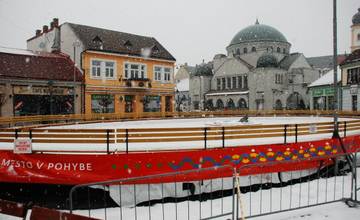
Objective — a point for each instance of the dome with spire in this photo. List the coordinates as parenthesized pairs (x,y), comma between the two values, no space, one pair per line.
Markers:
(356,18)
(258,32)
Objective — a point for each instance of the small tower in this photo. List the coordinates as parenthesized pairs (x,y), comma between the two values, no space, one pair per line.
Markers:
(355,32)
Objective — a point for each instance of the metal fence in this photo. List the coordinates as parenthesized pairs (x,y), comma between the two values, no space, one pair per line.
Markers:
(236,197)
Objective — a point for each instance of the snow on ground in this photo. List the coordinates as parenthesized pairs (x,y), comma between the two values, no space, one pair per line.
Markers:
(177,123)
(294,196)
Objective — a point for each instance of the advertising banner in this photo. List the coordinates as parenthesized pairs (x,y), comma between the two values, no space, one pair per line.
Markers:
(81,168)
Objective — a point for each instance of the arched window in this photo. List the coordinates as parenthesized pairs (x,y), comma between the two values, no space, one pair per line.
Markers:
(278,105)
(253,49)
(219,104)
(230,104)
(209,104)
(245,50)
(242,104)
(278,50)
(238,51)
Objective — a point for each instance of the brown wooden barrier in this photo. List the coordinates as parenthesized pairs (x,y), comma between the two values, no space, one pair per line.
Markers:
(39,213)
(142,135)
(12,208)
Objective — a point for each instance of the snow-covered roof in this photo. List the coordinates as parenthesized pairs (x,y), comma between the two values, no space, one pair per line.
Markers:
(327,78)
(17,51)
(228,93)
(183,85)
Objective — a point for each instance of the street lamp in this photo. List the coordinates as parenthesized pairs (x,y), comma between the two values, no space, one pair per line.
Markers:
(75,45)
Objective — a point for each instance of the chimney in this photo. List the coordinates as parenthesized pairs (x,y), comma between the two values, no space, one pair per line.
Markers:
(56,22)
(37,33)
(45,28)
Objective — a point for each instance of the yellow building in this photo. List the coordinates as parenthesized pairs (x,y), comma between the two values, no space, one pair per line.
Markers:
(125,73)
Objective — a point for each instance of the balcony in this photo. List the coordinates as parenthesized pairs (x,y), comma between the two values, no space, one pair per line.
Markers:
(137,83)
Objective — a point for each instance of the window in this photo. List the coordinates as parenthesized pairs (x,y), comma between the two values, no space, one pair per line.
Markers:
(162,74)
(134,71)
(278,50)
(240,82)
(353,76)
(223,83)
(103,69)
(95,69)
(245,50)
(358,37)
(167,74)
(157,72)
(228,83)
(109,69)
(218,84)
(245,81)
(253,49)
(234,83)
(237,51)
(284,51)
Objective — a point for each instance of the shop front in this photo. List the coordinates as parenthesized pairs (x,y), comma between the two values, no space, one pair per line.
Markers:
(42,100)
(322,98)
(102,103)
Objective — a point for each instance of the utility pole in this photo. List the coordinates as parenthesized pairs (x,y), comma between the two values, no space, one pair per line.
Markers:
(336,106)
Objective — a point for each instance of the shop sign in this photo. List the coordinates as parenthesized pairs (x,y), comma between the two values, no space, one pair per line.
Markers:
(329,91)
(353,89)
(41,90)
(318,92)
(22,146)
(312,129)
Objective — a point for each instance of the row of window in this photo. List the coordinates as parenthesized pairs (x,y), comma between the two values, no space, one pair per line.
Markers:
(279,79)
(235,82)
(101,69)
(353,76)
(253,49)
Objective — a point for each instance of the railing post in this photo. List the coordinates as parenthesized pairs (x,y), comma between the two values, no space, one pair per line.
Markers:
(16,133)
(205,137)
(223,137)
(108,141)
(127,140)
(285,133)
(296,133)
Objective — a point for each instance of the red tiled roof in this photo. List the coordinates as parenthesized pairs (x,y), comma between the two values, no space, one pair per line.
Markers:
(353,57)
(25,64)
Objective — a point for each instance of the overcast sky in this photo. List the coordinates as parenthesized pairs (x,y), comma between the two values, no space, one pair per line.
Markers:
(192,30)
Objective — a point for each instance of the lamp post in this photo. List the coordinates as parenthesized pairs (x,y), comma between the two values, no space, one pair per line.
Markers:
(75,44)
(335,68)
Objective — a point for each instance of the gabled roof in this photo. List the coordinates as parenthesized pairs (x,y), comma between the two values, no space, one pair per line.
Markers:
(120,42)
(324,62)
(189,69)
(26,64)
(353,57)
(287,61)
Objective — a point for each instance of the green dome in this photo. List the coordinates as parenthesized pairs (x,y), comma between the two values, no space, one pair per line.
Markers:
(267,60)
(258,32)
